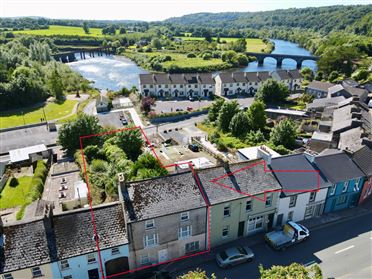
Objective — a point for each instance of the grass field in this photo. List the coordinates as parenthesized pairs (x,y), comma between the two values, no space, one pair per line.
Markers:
(63,30)
(15,196)
(253,44)
(30,115)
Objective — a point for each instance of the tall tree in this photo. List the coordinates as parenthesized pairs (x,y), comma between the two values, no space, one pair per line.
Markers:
(131,142)
(295,270)
(147,166)
(228,110)
(214,109)
(257,116)
(239,125)
(284,134)
(55,85)
(86,27)
(272,91)
(69,134)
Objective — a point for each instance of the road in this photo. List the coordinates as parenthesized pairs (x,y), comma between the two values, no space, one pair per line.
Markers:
(343,250)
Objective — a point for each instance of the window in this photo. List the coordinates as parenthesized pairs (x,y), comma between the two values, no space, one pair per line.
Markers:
(185,216)
(192,247)
(238,84)
(64,264)
(225,231)
(174,86)
(145,259)
(226,211)
(181,86)
(144,86)
(151,86)
(166,86)
(248,205)
(309,211)
(312,196)
(184,232)
(243,83)
(196,86)
(36,272)
(8,276)
(149,224)
(269,200)
(91,258)
(204,86)
(332,190)
(290,216)
(255,223)
(115,251)
(292,201)
(67,277)
(150,240)
(341,200)
(344,189)
(356,187)
(189,85)
(159,86)
(231,84)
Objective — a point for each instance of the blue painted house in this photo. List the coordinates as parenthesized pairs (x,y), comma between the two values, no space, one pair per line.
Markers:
(345,176)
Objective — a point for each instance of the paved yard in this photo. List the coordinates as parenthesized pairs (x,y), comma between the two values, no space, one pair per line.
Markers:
(172,106)
(112,119)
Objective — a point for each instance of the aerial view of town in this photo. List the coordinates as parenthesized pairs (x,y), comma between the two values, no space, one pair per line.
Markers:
(186,139)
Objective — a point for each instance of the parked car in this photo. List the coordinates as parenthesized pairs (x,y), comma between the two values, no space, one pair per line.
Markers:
(290,234)
(233,256)
(124,121)
(189,108)
(194,147)
(192,99)
(179,109)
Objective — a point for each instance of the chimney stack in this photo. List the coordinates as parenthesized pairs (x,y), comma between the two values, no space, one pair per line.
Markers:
(48,218)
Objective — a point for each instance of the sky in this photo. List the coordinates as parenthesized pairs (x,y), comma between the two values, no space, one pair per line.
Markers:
(149,10)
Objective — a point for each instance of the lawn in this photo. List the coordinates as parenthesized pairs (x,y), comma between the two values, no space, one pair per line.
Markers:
(63,30)
(15,196)
(30,115)
(253,44)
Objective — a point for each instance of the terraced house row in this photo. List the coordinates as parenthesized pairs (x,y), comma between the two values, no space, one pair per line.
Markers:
(204,85)
(161,219)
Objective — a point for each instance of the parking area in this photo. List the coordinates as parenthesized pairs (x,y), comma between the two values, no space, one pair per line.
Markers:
(116,119)
(183,105)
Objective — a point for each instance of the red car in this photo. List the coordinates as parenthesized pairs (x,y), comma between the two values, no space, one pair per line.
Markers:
(189,108)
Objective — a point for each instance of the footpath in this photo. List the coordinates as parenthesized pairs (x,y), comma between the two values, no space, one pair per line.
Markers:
(312,224)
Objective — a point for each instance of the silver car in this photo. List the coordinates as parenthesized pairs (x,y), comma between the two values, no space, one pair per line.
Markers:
(233,256)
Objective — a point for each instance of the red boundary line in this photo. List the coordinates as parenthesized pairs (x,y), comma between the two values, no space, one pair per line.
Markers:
(199,187)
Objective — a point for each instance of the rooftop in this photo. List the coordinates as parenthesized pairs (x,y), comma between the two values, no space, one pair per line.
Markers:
(351,140)
(287,111)
(247,177)
(362,158)
(257,152)
(22,154)
(320,85)
(162,196)
(337,166)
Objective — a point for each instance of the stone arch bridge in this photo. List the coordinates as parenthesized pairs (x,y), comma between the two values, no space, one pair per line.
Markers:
(280,57)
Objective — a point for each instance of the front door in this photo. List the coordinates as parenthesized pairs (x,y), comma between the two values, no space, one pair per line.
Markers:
(241,229)
(93,274)
(279,220)
(271,220)
(163,255)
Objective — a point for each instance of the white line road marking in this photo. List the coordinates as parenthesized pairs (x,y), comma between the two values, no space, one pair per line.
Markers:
(343,250)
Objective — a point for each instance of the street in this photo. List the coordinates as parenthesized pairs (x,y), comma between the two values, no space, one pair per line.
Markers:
(343,250)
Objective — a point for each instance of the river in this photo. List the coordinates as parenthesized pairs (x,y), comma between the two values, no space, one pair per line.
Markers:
(115,72)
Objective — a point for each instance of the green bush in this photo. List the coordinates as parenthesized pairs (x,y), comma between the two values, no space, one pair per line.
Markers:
(21,212)
(37,182)
(13,182)
(191,55)
(221,146)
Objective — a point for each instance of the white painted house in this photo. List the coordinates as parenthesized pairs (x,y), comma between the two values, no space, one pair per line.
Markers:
(303,193)
(291,78)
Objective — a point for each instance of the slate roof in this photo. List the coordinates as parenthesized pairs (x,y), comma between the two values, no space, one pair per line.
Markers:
(162,196)
(295,74)
(357,92)
(351,140)
(337,166)
(283,74)
(252,76)
(26,245)
(239,77)
(74,231)
(206,79)
(297,181)
(226,78)
(147,79)
(264,76)
(320,85)
(162,79)
(177,78)
(363,159)
(335,88)
(325,102)
(253,180)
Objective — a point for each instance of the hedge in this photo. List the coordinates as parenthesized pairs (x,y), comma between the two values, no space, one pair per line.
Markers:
(37,182)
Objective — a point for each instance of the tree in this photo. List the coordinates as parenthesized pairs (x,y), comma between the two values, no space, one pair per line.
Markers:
(272,91)
(241,59)
(55,85)
(228,110)
(69,134)
(307,73)
(284,133)
(214,109)
(255,138)
(146,104)
(257,116)
(147,166)
(207,36)
(295,270)
(338,58)
(122,30)
(240,45)
(239,125)
(319,75)
(131,142)
(155,43)
(333,76)
(86,27)
(197,274)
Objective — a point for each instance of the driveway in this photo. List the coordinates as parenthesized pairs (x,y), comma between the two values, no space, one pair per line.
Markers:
(172,106)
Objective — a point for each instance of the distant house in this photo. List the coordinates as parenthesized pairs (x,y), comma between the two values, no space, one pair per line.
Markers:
(303,194)
(102,103)
(239,205)
(256,152)
(291,78)
(347,92)
(166,218)
(345,176)
(363,159)
(318,89)
(28,155)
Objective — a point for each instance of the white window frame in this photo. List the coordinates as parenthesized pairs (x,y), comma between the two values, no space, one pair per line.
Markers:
(250,205)
(150,242)
(8,276)
(290,213)
(292,201)
(115,251)
(145,259)
(194,245)
(91,258)
(185,216)
(36,272)
(149,224)
(344,188)
(64,264)
(312,196)
(255,224)
(227,230)
(269,200)
(185,232)
(332,190)
(226,208)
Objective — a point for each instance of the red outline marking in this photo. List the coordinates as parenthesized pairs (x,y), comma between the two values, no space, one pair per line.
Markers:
(208,205)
